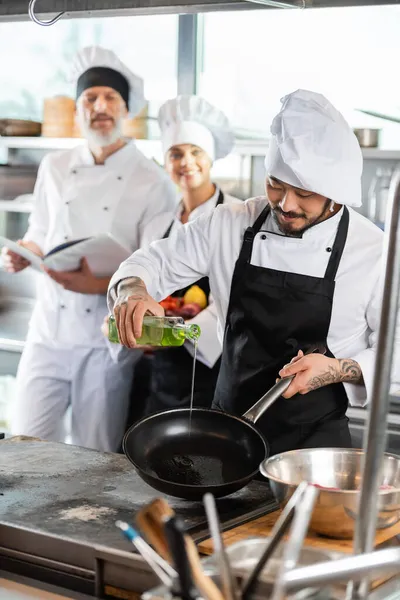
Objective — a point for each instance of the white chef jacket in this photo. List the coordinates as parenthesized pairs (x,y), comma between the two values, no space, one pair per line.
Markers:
(209,347)
(211,245)
(75,198)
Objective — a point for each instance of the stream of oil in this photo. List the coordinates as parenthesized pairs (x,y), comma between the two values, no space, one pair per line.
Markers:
(192,390)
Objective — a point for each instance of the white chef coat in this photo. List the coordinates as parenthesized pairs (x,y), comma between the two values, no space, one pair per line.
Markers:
(209,346)
(67,361)
(211,245)
(75,198)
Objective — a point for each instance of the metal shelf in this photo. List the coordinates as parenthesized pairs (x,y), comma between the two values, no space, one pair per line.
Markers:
(18,206)
(242,146)
(251,147)
(39,143)
(377,153)
(12,10)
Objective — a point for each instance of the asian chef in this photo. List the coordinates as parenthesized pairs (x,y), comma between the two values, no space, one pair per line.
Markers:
(287,270)
(105,185)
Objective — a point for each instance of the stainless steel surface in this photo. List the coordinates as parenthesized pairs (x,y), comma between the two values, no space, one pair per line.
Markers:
(243,557)
(336,510)
(243,146)
(367,137)
(187,54)
(278,4)
(375,563)
(33,17)
(298,531)
(263,404)
(378,194)
(228,582)
(277,533)
(11,10)
(375,437)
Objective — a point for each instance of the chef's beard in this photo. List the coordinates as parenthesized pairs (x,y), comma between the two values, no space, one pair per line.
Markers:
(286,229)
(98,138)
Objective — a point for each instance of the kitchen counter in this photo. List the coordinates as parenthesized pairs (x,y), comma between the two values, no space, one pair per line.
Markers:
(80,493)
(59,504)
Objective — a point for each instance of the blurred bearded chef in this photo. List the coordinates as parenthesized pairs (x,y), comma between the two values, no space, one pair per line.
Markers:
(104,185)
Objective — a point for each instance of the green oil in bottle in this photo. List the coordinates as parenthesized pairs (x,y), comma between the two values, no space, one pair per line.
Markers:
(159,331)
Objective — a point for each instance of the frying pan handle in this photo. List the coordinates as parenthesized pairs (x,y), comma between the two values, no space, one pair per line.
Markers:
(259,408)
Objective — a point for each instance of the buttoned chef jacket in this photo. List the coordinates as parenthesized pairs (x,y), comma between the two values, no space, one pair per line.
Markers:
(209,347)
(211,245)
(75,198)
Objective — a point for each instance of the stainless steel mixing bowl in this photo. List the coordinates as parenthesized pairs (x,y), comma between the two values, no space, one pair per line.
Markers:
(338,472)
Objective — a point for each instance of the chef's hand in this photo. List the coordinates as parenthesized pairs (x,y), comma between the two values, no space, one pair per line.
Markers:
(82,281)
(13,262)
(104,331)
(133,302)
(316,370)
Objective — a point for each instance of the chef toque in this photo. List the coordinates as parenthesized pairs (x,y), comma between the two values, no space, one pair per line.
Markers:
(95,66)
(192,120)
(313,148)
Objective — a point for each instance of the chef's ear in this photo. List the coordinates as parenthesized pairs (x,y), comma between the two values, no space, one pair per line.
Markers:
(124,111)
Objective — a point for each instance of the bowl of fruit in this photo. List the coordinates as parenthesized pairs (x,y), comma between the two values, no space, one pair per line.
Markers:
(187,306)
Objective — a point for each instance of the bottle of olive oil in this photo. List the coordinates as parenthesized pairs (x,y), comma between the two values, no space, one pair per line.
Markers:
(160,331)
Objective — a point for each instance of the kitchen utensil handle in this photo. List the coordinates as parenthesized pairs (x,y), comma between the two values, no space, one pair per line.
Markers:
(204,583)
(259,408)
(174,531)
(277,533)
(228,581)
(263,404)
(298,531)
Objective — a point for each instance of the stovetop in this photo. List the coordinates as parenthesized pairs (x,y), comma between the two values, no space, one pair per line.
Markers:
(76,493)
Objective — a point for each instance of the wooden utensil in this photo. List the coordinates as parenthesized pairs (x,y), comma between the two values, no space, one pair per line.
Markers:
(150,520)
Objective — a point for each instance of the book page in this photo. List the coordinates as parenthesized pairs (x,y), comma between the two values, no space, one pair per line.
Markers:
(35,260)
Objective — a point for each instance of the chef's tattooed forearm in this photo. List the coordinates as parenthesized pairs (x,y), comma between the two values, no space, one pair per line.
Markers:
(350,371)
(131,282)
(132,288)
(343,370)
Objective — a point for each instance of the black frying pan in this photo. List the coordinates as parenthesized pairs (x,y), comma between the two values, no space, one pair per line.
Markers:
(211,451)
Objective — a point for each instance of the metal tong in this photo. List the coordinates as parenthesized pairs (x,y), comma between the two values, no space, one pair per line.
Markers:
(228,581)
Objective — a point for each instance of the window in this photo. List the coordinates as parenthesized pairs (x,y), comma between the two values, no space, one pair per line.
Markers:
(36,59)
(251,59)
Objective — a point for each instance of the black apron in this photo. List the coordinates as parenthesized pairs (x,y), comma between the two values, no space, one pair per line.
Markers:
(271,315)
(172,367)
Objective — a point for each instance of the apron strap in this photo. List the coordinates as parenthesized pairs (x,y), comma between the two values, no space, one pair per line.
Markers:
(249,235)
(338,246)
(260,219)
(219,201)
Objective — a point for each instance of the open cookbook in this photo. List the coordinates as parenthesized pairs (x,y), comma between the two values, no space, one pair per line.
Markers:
(103,253)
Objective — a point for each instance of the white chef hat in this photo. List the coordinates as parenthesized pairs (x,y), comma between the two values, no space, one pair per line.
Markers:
(314,148)
(95,66)
(192,120)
